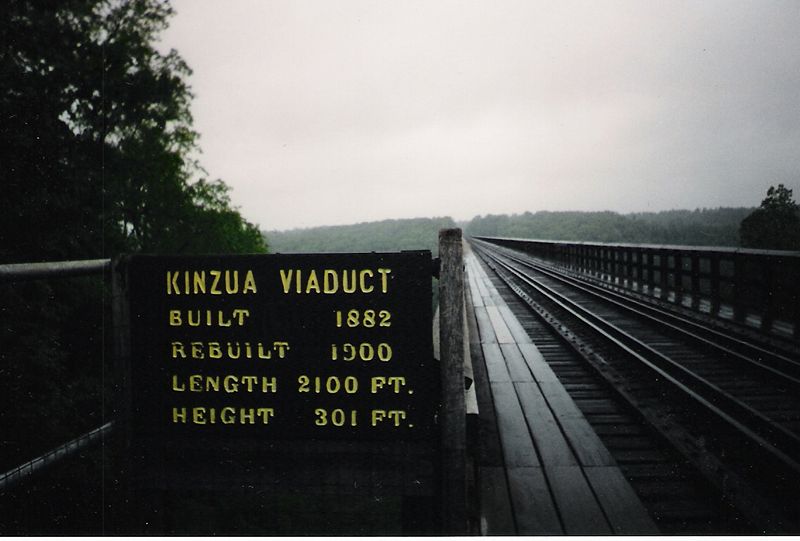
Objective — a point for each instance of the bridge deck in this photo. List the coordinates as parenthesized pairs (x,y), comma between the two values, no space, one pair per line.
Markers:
(542,470)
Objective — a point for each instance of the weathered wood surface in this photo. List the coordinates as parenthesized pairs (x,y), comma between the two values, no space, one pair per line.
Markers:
(453,413)
(559,477)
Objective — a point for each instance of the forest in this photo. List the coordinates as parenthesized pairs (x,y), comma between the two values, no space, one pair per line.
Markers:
(97,160)
(699,227)
(385,235)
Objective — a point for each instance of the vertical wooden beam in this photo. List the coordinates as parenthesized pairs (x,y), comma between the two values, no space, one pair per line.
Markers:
(453,415)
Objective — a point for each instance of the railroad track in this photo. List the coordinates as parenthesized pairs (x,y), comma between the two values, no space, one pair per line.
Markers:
(674,398)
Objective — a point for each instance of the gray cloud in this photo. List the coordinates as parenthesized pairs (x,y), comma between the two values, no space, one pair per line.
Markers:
(320,112)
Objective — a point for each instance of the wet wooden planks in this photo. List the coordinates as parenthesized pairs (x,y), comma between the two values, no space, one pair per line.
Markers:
(542,469)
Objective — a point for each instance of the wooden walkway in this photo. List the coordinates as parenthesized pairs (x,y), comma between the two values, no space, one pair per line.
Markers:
(541,468)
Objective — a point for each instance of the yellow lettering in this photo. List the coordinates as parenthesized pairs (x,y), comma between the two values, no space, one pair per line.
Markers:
(179,415)
(249,283)
(230,384)
(215,274)
(197,350)
(228,415)
(349,281)
(378,416)
(175,318)
(265,414)
(286,279)
(214,350)
(362,280)
(395,383)
(377,383)
(241,313)
(330,281)
(172,283)
(176,385)
(247,416)
(394,416)
(233,287)
(199,282)
(221,319)
(192,321)
(177,349)
(282,348)
(198,416)
(269,385)
(196,382)
(313,283)
(249,381)
(384,279)
(212,383)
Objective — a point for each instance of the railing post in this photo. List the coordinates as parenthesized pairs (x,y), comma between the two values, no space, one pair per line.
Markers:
(453,415)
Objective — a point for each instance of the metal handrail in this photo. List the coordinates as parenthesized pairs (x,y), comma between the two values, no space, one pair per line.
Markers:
(65,450)
(17,272)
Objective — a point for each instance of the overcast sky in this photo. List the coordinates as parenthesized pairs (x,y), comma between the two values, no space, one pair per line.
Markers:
(335,112)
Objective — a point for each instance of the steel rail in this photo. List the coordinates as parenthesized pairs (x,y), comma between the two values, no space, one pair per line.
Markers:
(57,454)
(17,272)
(754,357)
(763,433)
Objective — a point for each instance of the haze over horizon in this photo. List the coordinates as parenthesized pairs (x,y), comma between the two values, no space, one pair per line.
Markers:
(334,113)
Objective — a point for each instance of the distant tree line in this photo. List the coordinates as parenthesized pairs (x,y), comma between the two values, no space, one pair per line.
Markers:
(700,227)
(773,225)
(385,235)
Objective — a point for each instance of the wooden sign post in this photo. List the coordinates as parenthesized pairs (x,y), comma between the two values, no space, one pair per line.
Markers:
(451,340)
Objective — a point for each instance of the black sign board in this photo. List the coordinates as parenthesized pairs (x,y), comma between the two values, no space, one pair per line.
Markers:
(295,347)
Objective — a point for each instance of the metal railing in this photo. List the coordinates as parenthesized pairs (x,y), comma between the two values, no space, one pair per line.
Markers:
(65,450)
(759,288)
(18,272)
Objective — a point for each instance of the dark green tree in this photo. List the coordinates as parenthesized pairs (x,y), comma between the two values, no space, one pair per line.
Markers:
(97,138)
(775,225)
(96,141)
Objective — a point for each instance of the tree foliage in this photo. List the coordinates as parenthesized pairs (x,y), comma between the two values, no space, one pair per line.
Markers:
(385,235)
(699,227)
(775,224)
(97,138)
(95,160)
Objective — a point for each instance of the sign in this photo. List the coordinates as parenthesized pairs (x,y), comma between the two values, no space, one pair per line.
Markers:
(312,347)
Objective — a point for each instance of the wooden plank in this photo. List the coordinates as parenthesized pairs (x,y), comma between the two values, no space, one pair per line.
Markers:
(580,512)
(489,451)
(553,447)
(516,441)
(586,443)
(482,290)
(504,336)
(534,509)
(560,402)
(495,513)
(495,363)
(517,369)
(477,300)
(485,329)
(536,363)
(623,508)
(520,334)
